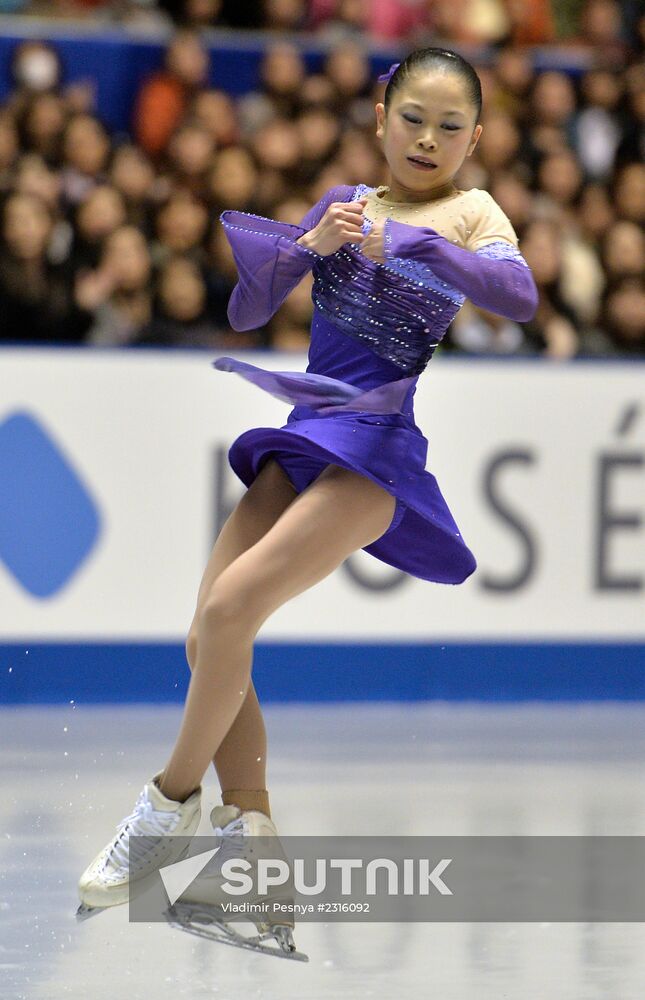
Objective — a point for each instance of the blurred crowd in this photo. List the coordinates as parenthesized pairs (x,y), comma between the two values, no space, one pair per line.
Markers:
(114,240)
(521,22)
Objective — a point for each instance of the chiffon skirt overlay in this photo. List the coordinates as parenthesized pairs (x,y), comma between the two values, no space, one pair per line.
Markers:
(363,421)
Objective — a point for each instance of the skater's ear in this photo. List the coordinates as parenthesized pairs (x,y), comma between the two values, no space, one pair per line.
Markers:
(477,131)
(380,119)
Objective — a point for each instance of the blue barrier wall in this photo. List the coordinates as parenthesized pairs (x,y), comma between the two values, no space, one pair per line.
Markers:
(493,672)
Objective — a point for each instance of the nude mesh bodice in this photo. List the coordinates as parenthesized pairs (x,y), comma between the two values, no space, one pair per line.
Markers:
(400,309)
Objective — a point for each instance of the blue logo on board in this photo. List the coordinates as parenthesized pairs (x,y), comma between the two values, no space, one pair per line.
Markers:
(49,522)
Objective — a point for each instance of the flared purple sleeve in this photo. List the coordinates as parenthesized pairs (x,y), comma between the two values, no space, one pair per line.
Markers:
(495,277)
(269,261)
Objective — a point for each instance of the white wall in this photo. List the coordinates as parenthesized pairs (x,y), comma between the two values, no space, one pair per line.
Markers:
(143,431)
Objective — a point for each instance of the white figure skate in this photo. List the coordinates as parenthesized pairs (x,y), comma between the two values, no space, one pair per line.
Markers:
(105,882)
(200,909)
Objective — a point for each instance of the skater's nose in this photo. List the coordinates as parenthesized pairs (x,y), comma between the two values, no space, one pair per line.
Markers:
(427,141)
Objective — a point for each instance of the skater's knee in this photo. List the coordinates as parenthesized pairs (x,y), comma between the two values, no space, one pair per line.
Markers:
(226,612)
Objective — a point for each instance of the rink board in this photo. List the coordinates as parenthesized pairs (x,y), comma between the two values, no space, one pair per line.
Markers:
(114,483)
(81,673)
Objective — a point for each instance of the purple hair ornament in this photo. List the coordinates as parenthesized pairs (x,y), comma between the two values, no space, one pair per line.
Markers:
(386,77)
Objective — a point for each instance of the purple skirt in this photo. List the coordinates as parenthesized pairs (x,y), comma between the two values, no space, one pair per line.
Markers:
(335,423)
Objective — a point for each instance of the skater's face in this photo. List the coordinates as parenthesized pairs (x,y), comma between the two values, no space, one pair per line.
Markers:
(427,132)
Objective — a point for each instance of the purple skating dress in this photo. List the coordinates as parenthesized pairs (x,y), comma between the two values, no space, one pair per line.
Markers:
(374,329)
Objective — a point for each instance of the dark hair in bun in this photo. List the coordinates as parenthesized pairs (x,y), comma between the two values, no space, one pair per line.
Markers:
(434,58)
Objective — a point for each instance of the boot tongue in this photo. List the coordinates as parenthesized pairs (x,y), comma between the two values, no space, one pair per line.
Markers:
(222,815)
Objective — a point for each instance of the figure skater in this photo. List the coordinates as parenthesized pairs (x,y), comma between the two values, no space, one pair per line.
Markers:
(391,267)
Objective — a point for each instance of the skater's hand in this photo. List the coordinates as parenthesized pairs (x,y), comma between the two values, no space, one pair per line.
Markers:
(372,245)
(342,223)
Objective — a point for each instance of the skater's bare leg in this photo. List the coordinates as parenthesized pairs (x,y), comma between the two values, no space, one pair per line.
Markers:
(240,761)
(339,513)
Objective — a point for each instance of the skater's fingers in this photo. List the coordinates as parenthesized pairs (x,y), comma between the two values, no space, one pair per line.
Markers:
(340,209)
(350,219)
(356,206)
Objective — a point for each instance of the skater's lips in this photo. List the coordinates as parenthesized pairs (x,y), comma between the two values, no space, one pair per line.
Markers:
(423,159)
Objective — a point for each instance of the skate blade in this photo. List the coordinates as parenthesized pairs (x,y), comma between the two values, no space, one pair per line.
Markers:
(84,911)
(204,923)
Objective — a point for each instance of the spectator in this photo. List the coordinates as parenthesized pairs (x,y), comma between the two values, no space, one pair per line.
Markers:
(629,192)
(165,96)
(560,179)
(233,180)
(36,303)
(625,314)
(514,75)
(598,126)
(514,198)
(214,111)
(282,76)
(32,176)
(190,155)
(180,317)
(317,91)
(133,176)
(278,147)
(221,277)
(632,145)
(500,142)
(622,330)
(476,331)
(552,104)
(181,227)
(561,152)
(289,328)
(552,329)
(531,22)
(42,121)
(36,68)
(118,292)
(86,151)
(623,251)
(9,150)
(358,160)
(98,215)
(338,20)
(349,71)
(391,19)
(195,14)
(284,15)
(601,28)
(242,13)
(595,212)
(319,134)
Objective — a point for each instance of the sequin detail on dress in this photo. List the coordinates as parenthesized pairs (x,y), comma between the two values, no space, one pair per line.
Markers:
(400,320)
(500,250)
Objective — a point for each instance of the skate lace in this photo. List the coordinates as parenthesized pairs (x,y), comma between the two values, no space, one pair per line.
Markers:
(233,839)
(144,821)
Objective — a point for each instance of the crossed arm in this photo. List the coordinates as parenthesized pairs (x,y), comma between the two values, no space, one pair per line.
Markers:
(495,277)
(271,261)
